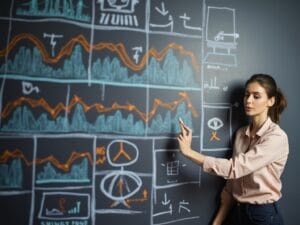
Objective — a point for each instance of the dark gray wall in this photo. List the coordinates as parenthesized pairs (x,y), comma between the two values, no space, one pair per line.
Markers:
(271,30)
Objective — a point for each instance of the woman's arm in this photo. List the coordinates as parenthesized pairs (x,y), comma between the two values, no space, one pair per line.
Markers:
(185,141)
(270,147)
(225,207)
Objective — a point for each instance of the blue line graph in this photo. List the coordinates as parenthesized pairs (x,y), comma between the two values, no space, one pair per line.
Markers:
(11,176)
(78,173)
(24,121)
(54,8)
(171,72)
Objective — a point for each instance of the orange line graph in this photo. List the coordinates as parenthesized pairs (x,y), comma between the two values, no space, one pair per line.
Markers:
(98,106)
(62,166)
(118,48)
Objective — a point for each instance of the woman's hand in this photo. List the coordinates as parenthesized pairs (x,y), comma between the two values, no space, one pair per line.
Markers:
(185,141)
(184,138)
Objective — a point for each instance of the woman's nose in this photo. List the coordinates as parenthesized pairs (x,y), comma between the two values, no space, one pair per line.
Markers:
(248,98)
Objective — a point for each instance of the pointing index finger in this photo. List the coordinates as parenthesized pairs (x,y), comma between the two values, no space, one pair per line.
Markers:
(184,127)
(181,124)
(180,121)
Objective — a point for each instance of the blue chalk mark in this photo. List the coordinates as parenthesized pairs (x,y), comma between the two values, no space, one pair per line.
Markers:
(11,176)
(78,174)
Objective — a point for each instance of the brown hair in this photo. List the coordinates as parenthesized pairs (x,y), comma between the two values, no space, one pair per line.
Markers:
(269,84)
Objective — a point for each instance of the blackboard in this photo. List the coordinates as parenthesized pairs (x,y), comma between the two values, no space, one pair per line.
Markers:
(91,93)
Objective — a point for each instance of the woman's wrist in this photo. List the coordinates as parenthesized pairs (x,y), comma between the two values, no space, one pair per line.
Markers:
(195,156)
(187,151)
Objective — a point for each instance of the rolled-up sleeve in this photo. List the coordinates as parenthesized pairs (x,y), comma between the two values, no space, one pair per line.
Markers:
(216,166)
(267,149)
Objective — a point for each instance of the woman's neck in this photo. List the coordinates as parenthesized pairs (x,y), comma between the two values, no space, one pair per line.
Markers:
(257,124)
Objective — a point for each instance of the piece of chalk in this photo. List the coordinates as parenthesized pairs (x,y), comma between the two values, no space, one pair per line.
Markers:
(180,120)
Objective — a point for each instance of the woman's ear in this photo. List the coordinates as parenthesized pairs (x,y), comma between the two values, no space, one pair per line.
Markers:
(271,101)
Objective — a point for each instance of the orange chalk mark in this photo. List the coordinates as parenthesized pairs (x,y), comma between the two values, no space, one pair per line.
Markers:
(120,186)
(214,136)
(62,202)
(54,111)
(100,151)
(14,154)
(62,166)
(121,152)
(117,48)
(142,199)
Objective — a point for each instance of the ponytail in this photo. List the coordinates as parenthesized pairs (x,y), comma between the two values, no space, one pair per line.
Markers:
(278,107)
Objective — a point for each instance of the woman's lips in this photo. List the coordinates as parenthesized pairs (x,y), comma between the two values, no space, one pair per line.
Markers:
(248,108)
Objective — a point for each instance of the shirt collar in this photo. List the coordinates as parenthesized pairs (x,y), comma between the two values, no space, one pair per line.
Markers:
(261,130)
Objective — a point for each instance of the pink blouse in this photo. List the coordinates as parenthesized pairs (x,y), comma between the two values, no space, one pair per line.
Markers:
(253,173)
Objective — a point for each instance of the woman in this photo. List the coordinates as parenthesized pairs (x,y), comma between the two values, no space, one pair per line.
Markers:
(260,152)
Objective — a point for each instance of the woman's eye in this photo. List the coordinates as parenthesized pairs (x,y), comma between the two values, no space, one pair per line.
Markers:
(256,96)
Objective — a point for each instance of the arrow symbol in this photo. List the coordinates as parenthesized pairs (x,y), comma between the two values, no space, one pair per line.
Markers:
(120,185)
(162,11)
(165,201)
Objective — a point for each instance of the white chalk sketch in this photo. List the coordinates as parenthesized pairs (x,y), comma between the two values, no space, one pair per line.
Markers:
(64,206)
(212,85)
(52,41)
(217,119)
(163,12)
(122,6)
(28,88)
(173,168)
(120,179)
(111,158)
(215,124)
(118,12)
(165,202)
(169,167)
(186,18)
(137,52)
(121,184)
(173,209)
(221,36)
(169,24)
(183,206)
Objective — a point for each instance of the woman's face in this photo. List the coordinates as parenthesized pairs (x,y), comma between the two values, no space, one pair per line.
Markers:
(256,101)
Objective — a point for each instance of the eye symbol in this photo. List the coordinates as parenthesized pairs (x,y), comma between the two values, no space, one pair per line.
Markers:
(215,123)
